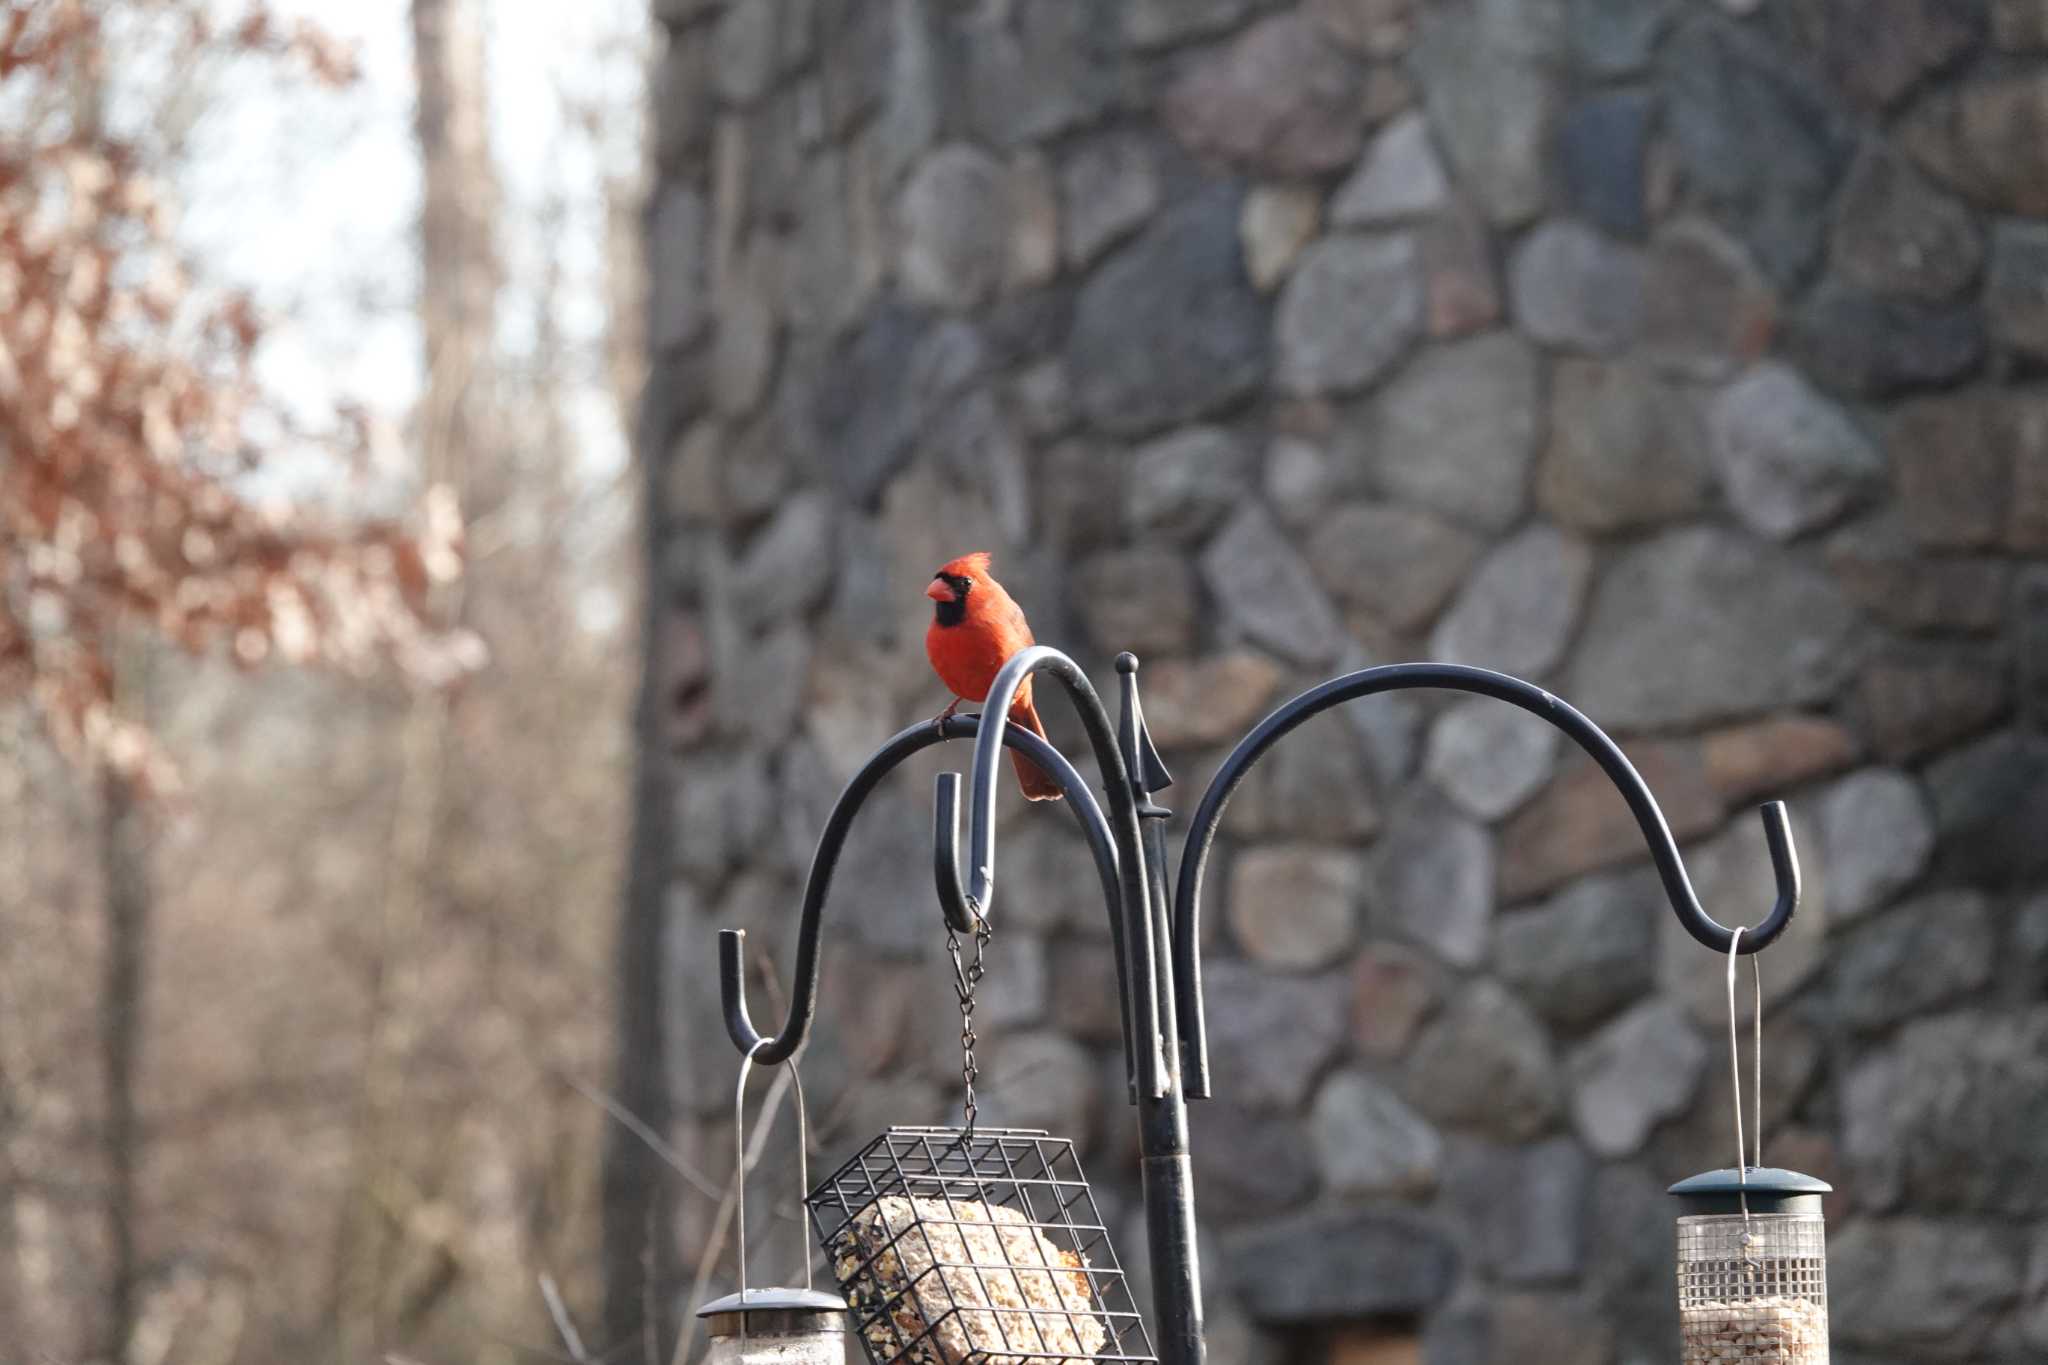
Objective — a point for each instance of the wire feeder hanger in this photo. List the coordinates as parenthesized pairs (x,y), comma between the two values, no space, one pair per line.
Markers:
(1154,935)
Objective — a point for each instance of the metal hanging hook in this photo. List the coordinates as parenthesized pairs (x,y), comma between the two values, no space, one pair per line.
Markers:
(1486,683)
(803,1000)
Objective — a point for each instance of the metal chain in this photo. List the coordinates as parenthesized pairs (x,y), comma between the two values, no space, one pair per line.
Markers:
(965,979)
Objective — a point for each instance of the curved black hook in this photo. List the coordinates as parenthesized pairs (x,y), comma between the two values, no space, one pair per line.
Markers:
(1457,678)
(966,899)
(803,1001)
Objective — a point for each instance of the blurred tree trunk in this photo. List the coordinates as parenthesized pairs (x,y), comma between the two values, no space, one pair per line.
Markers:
(125,904)
(459,283)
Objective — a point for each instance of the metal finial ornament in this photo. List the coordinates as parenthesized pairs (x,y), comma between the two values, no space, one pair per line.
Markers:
(1752,1245)
(772,1326)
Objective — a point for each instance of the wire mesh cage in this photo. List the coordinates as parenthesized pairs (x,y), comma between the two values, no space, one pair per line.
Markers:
(1753,1288)
(956,1247)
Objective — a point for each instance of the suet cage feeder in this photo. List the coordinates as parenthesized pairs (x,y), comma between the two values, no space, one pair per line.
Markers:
(1752,1268)
(956,1245)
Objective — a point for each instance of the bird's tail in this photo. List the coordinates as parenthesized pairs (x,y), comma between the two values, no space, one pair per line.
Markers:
(1037,783)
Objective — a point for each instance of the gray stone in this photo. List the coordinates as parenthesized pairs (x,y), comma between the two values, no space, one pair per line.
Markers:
(1928,1287)
(1987,138)
(883,385)
(1048,880)
(1370,1143)
(1517,611)
(1108,188)
(1160,23)
(1585,952)
(1990,802)
(2030,942)
(1038,1079)
(743,344)
(1967,469)
(1399,177)
(1897,234)
(778,575)
(1140,599)
(1209,700)
(1458,428)
(1457,261)
(1579,823)
(1436,879)
(1574,288)
(1314,787)
(1632,1075)
(1033,205)
(675,263)
(1489,80)
(1271,1036)
(875,885)
(1707,310)
(1950,1115)
(1755,140)
(1603,148)
(1340,1264)
(1397,563)
(1397,989)
(2016,292)
(1698,625)
(1917,703)
(1553,1327)
(743,50)
(722,807)
(1043,398)
(1032,71)
(760,691)
(1184,483)
(1297,484)
(1082,992)
(954,228)
(680,97)
(1278,98)
(1485,1064)
(1877,834)
(1278,221)
(1251,1164)
(1877,51)
(1295,906)
(1168,328)
(1931,951)
(1371,28)
(1616,37)
(1521,1211)
(1016,991)
(1489,758)
(2019,26)
(1352,307)
(1790,460)
(1877,347)
(1626,450)
(1266,590)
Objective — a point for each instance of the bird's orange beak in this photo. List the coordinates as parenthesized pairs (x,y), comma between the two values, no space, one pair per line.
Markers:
(938,591)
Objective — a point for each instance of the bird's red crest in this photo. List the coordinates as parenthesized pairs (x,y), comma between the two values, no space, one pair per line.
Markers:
(968,566)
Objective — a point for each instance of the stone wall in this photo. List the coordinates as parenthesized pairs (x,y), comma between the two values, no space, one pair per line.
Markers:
(1679,355)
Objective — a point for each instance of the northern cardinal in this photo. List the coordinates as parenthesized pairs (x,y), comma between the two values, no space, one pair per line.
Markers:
(975,629)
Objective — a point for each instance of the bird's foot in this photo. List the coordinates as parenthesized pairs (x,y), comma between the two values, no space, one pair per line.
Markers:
(947,714)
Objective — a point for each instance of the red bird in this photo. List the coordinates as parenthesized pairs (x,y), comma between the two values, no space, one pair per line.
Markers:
(975,629)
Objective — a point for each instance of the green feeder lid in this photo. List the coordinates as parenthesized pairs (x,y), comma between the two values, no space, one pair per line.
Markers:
(783,1309)
(1766,1189)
